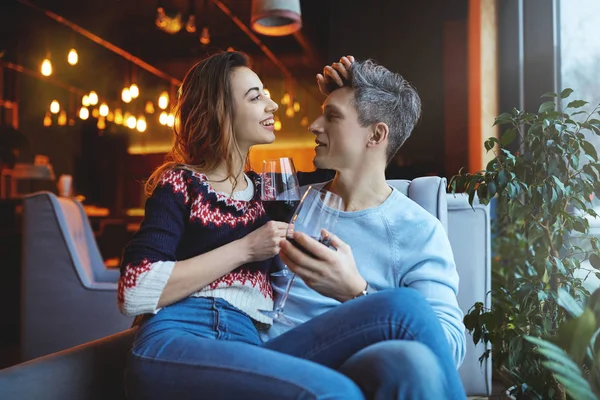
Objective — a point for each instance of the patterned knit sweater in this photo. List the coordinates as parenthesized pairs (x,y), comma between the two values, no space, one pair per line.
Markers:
(186,217)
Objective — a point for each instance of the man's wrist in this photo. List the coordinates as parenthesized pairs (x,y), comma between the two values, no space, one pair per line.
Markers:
(363,292)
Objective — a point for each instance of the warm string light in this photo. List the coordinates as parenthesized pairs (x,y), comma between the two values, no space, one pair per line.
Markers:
(46,68)
(126,95)
(54,107)
(277,124)
(62,118)
(73,57)
(163,101)
(47,119)
(103,110)
(134,91)
(163,118)
(131,122)
(84,113)
(93,96)
(205,36)
(141,124)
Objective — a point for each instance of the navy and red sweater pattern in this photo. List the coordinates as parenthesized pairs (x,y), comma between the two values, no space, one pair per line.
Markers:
(185,217)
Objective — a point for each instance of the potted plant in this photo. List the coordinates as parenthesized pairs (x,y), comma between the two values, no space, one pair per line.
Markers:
(573,356)
(543,177)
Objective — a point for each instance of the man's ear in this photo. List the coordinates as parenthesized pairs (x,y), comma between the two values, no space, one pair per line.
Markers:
(379,134)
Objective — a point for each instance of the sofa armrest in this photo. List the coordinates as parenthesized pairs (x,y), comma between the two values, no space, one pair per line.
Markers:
(93,370)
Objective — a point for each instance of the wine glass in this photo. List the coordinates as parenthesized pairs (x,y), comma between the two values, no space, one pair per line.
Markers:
(280,193)
(318,210)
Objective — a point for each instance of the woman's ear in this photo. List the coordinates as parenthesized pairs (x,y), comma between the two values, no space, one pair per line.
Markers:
(379,134)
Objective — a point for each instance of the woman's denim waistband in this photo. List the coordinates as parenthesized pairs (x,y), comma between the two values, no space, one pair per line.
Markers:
(208,317)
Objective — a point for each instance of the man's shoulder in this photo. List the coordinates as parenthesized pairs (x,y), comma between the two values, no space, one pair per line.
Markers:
(405,212)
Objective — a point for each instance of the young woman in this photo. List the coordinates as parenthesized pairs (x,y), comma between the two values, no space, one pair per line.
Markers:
(196,271)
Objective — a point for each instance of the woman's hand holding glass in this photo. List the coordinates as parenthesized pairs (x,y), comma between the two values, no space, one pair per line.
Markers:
(264,243)
(280,193)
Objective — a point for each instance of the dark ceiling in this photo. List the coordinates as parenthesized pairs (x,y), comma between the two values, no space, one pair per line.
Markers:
(130,25)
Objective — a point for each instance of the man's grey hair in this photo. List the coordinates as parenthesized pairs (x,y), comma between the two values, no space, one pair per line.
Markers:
(384,96)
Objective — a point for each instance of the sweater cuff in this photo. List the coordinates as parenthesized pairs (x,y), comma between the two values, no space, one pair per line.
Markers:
(143,297)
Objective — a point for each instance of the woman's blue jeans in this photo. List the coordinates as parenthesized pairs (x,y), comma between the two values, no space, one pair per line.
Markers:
(388,345)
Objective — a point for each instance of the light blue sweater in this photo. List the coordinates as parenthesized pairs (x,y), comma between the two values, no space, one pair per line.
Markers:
(395,244)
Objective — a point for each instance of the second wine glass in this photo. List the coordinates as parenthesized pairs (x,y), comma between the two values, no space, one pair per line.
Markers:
(280,193)
(318,210)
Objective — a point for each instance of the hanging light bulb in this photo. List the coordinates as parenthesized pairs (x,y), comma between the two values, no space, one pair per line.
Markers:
(46,68)
(62,118)
(277,124)
(163,101)
(161,17)
(267,93)
(84,113)
(118,116)
(131,122)
(101,124)
(126,95)
(141,124)
(149,107)
(104,110)
(110,117)
(289,112)
(163,118)
(134,90)
(73,57)
(54,107)
(47,119)
(190,26)
(304,121)
(230,48)
(95,113)
(85,101)
(296,106)
(205,36)
(170,120)
(285,100)
(93,98)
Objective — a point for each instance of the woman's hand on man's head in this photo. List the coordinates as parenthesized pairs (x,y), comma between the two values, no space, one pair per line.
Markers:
(334,75)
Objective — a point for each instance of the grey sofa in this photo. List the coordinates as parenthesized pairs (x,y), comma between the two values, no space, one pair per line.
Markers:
(68,296)
(469,232)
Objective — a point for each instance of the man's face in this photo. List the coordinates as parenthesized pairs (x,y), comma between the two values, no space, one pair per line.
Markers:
(341,141)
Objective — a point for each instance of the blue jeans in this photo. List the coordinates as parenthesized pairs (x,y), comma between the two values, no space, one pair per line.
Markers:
(389,345)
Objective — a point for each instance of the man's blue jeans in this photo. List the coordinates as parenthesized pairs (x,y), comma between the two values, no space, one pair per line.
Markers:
(388,345)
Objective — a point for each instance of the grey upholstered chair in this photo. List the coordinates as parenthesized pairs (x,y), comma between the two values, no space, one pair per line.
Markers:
(68,296)
(469,232)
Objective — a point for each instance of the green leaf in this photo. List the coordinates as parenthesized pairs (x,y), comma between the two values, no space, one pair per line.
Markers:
(550,95)
(546,106)
(504,118)
(566,93)
(589,149)
(508,137)
(571,378)
(552,352)
(577,104)
(502,178)
(575,334)
(566,301)
(595,260)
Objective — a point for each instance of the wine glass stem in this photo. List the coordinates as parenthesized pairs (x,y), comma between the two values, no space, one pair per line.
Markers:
(286,294)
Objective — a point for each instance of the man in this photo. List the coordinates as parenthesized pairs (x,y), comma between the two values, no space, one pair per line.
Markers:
(390,258)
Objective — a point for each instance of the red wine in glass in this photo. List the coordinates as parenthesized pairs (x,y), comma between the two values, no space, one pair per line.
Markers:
(280,210)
